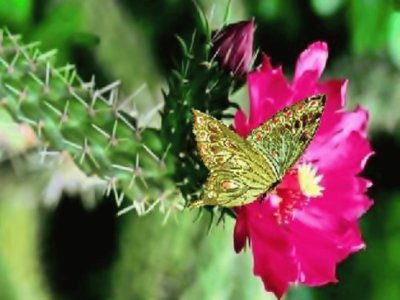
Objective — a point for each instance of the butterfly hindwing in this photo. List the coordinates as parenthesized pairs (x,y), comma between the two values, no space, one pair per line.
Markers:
(284,137)
(238,172)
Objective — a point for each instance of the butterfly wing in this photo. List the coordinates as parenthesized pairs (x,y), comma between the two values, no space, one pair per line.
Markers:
(239,172)
(284,137)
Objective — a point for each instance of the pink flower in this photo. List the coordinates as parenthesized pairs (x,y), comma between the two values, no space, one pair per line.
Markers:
(233,46)
(300,232)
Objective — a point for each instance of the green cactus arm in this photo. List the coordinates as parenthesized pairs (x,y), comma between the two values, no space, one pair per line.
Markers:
(198,82)
(69,115)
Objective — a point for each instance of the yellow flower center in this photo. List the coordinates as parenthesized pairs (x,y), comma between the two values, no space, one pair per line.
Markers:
(309,180)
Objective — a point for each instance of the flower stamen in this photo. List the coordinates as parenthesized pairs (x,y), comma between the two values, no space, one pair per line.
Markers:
(309,180)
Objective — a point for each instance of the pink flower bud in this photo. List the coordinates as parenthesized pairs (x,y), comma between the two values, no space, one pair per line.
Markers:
(233,46)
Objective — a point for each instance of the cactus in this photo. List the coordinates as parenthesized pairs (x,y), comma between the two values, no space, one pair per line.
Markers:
(71,116)
(200,82)
(144,164)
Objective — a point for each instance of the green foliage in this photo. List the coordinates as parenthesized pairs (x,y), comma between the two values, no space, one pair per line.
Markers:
(193,265)
(21,274)
(369,19)
(17,13)
(326,8)
(59,29)
(394,38)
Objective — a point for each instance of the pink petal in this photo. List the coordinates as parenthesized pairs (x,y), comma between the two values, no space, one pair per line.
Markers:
(336,94)
(241,234)
(344,195)
(345,153)
(271,248)
(315,255)
(241,126)
(313,59)
(266,63)
(321,241)
(269,92)
(335,91)
(305,86)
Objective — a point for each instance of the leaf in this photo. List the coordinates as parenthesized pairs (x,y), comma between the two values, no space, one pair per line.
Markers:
(394,38)
(369,19)
(16,13)
(326,8)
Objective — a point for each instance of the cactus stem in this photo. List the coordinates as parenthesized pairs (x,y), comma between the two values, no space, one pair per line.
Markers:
(52,100)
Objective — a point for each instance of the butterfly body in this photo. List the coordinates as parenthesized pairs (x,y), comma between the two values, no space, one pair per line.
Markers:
(241,170)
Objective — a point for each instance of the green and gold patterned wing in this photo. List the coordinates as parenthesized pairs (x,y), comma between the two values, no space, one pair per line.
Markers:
(284,137)
(239,173)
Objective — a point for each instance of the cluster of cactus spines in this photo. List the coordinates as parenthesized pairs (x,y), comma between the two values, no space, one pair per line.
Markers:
(69,115)
(201,83)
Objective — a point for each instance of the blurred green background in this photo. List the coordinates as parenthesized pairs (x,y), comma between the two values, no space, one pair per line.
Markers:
(78,250)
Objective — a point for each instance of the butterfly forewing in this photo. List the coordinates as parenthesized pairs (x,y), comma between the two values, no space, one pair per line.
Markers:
(238,171)
(284,137)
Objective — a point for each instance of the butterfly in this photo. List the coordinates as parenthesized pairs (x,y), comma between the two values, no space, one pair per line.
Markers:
(242,170)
